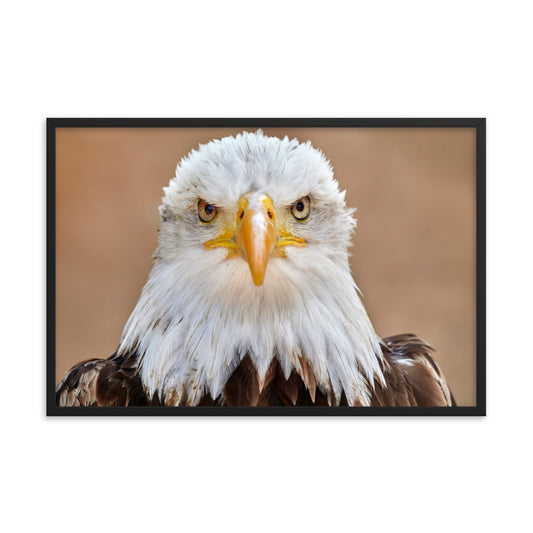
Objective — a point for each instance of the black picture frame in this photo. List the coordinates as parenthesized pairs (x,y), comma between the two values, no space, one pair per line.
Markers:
(52,124)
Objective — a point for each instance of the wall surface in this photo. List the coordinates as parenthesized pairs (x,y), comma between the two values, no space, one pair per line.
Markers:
(252,59)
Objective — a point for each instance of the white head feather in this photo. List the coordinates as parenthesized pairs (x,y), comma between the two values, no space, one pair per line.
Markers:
(200,313)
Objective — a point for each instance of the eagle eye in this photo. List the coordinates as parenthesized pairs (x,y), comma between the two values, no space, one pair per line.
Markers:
(301,208)
(206,212)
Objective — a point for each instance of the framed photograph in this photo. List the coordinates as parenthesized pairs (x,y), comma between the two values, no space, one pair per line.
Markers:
(266,267)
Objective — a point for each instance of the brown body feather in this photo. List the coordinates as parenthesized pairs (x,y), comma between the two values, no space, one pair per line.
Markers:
(411,375)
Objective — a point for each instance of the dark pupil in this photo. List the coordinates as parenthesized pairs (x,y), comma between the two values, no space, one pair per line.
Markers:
(300,206)
(208,209)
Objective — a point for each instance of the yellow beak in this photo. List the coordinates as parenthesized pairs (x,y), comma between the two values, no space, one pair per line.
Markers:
(256,236)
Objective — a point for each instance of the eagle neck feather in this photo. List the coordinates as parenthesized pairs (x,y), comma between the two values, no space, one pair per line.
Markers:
(192,329)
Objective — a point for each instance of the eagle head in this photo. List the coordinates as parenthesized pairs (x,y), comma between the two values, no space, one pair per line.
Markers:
(252,260)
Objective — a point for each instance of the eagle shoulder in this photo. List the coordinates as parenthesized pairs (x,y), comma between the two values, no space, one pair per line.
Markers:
(413,378)
(102,382)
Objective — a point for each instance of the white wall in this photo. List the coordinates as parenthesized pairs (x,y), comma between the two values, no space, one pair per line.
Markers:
(380,59)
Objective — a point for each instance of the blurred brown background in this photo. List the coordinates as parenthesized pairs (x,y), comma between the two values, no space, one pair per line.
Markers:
(413,254)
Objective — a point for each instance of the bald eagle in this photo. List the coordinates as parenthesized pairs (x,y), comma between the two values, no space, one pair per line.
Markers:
(250,301)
